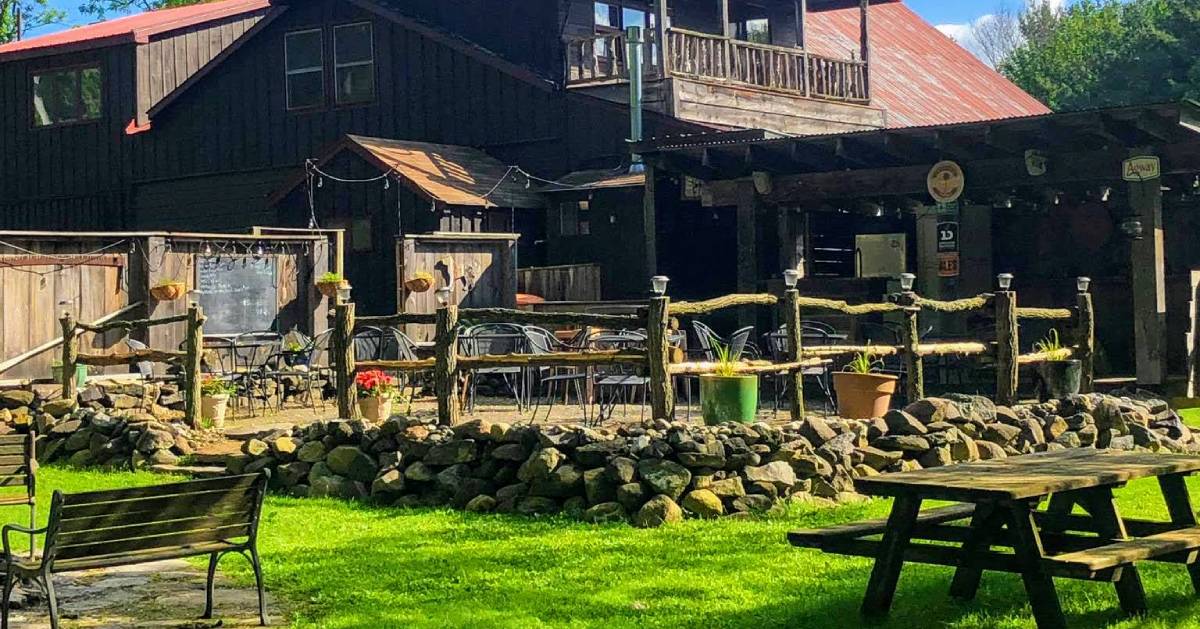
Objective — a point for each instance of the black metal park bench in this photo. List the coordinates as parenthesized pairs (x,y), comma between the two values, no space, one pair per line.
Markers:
(102,529)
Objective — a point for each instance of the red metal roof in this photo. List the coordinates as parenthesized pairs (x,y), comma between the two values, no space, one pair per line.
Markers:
(133,28)
(919,75)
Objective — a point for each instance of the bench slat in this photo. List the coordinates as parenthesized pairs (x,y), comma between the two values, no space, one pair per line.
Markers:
(154,542)
(18,450)
(147,510)
(124,559)
(14,470)
(815,538)
(1125,552)
(154,491)
(14,439)
(13,480)
(124,532)
(9,460)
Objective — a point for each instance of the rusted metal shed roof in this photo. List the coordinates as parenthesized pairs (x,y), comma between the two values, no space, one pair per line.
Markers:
(597,180)
(445,173)
(918,74)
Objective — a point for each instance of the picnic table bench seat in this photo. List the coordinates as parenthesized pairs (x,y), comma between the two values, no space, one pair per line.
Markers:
(1092,561)
(818,538)
(102,529)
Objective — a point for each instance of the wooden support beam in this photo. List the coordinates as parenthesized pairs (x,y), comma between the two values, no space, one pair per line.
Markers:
(129,358)
(658,354)
(343,356)
(445,378)
(747,248)
(865,40)
(795,352)
(1007,348)
(1148,272)
(70,353)
(193,349)
(649,222)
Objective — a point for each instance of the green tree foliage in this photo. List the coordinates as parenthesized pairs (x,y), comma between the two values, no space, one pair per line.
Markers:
(33,13)
(1102,53)
(102,9)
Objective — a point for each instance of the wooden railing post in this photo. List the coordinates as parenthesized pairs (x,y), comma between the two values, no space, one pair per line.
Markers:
(193,353)
(1007,376)
(795,351)
(910,336)
(445,371)
(1085,330)
(70,352)
(343,343)
(658,354)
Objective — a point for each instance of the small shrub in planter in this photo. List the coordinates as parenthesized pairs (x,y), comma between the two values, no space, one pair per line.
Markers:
(214,400)
(168,290)
(1060,375)
(329,283)
(376,391)
(862,393)
(726,395)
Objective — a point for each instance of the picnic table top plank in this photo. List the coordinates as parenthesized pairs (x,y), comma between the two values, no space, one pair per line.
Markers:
(1029,476)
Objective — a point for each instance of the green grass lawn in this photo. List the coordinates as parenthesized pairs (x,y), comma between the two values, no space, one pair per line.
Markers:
(350,565)
(1190,416)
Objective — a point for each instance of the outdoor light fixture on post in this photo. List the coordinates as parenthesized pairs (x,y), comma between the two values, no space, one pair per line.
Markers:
(1131,226)
(791,277)
(343,293)
(1083,283)
(443,296)
(1004,281)
(658,285)
(906,282)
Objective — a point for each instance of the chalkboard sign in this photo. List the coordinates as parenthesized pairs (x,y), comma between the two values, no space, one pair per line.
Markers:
(238,293)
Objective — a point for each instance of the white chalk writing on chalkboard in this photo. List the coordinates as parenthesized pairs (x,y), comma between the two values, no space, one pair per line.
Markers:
(238,293)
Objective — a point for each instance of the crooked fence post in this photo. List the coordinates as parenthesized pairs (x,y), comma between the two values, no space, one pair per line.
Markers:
(1085,329)
(910,337)
(445,376)
(193,352)
(658,354)
(70,355)
(795,351)
(343,337)
(1007,376)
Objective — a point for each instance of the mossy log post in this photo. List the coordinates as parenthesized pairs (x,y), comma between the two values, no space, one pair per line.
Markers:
(193,350)
(658,355)
(914,365)
(445,376)
(343,358)
(1007,375)
(70,353)
(129,358)
(795,351)
(1085,341)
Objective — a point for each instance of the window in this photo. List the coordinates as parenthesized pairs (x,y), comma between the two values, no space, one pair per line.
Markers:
(304,59)
(68,95)
(575,218)
(353,63)
(755,31)
(612,19)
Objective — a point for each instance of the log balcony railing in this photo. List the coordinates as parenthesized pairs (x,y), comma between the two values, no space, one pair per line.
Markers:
(713,58)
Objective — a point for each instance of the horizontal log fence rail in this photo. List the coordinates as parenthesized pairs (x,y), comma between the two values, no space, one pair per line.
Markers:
(661,317)
(188,359)
(56,342)
(600,59)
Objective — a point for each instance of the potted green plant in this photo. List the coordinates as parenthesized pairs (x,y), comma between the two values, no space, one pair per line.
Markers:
(329,283)
(726,395)
(214,400)
(862,393)
(376,391)
(168,290)
(1060,374)
(81,372)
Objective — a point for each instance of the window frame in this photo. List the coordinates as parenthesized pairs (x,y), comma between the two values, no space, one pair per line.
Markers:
(288,73)
(78,69)
(338,66)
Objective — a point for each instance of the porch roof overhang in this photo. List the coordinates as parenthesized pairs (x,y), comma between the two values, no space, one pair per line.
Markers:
(1081,147)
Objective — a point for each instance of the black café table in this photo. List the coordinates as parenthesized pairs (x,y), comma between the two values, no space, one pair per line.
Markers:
(998,507)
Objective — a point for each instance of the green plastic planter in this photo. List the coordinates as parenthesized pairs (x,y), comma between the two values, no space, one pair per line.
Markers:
(81,374)
(729,399)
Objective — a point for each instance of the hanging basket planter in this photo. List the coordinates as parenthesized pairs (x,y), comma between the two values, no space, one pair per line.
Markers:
(329,284)
(168,291)
(420,282)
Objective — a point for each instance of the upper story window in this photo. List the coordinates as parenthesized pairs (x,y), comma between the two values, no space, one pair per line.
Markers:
(304,58)
(754,30)
(353,63)
(67,95)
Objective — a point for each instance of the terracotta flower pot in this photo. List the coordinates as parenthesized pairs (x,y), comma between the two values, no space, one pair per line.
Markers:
(330,289)
(213,409)
(863,395)
(168,292)
(375,409)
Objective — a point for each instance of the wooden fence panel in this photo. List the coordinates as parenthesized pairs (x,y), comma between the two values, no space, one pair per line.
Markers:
(572,282)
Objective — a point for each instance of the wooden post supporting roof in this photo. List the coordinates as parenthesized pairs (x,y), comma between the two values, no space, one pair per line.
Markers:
(650,222)
(747,248)
(1148,272)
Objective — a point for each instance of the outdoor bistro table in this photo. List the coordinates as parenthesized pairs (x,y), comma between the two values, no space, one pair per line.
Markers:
(1001,499)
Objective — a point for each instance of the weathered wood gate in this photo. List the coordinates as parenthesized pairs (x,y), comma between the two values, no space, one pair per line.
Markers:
(480,270)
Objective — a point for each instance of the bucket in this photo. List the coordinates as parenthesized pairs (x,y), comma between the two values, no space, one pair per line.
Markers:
(729,399)
(1060,378)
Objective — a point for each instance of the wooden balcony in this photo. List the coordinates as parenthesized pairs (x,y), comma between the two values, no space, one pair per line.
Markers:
(721,60)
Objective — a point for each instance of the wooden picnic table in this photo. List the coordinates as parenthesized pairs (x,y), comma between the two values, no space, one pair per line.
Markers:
(1000,509)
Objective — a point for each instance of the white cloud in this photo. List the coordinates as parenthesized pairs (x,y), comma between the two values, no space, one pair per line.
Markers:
(964,33)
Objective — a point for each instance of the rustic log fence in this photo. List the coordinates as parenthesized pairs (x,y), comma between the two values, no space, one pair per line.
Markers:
(661,317)
(189,358)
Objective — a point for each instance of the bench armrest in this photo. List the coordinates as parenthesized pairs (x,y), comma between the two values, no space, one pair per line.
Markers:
(19,529)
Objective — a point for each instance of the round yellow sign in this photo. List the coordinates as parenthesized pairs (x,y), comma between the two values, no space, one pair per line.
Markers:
(946,182)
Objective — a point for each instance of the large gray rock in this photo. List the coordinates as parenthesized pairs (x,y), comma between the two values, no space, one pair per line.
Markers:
(631,496)
(703,503)
(658,511)
(565,481)
(903,423)
(933,410)
(664,477)
(352,463)
(776,473)
(902,443)
(451,453)
(389,483)
(540,464)
(514,452)
(311,452)
(621,470)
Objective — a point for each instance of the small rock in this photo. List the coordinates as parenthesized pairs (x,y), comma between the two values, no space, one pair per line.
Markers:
(482,503)
(703,503)
(605,512)
(903,423)
(658,511)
